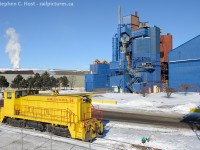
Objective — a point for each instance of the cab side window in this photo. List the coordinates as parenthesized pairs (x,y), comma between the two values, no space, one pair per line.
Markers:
(18,94)
(24,93)
(9,95)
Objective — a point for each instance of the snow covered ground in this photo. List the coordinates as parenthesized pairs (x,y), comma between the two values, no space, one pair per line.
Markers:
(160,137)
(178,104)
(119,135)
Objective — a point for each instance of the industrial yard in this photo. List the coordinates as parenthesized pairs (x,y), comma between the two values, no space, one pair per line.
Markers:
(99,75)
(119,135)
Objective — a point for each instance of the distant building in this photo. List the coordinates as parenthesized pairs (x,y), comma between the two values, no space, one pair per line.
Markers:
(184,64)
(10,74)
(139,58)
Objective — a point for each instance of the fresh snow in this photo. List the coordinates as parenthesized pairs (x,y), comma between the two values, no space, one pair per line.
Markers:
(178,103)
(160,137)
(125,136)
(119,135)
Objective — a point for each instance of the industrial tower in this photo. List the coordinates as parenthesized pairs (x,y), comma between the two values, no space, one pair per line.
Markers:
(136,61)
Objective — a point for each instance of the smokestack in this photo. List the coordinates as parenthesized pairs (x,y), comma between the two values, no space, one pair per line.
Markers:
(13,48)
(136,13)
(119,15)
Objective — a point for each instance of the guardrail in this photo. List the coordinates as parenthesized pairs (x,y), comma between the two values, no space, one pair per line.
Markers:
(105,101)
(197,110)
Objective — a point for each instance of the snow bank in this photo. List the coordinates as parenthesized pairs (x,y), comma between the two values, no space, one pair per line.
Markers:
(178,103)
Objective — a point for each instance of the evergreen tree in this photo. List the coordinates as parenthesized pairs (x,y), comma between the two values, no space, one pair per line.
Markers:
(54,82)
(64,81)
(30,82)
(16,83)
(3,82)
(37,81)
(58,81)
(46,80)
(24,84)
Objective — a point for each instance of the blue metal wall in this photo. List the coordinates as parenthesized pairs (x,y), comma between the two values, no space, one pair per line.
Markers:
(184,64)
(99,77)
(184,72)
(115,48)
(188,50)
(147,49)
(99,68)
(93,81)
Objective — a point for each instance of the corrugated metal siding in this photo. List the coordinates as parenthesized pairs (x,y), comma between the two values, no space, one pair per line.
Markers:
(184,73)
(89,86)
(184,64)
(99,68)
(114,65)
(115,48)
(140,32)
(93,81)
(116,80)
(188,50)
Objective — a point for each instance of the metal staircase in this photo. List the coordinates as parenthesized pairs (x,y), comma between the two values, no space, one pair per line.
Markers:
(135,78)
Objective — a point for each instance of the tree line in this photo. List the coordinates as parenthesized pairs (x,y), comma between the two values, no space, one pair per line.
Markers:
(40,82)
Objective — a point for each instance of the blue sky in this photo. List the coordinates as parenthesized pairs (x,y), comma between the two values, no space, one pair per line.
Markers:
(73,37)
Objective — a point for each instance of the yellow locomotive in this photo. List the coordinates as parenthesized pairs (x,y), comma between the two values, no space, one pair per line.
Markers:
(69,115)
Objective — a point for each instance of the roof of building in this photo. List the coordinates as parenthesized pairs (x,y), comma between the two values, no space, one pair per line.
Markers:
(186,51)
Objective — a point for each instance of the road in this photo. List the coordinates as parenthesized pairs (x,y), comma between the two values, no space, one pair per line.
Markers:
(144,119)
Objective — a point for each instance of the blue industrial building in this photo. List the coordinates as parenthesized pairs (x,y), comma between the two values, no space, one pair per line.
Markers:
(135,59)
(99,77)
(184,64)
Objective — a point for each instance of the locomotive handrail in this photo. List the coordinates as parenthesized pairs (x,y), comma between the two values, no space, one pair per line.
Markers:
(95,113)
(45,113)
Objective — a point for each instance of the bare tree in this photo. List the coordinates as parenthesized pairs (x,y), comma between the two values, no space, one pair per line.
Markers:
(72,81)
(169,91)
(185,88)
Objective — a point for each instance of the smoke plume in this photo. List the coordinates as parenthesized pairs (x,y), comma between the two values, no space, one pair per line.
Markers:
(13,47)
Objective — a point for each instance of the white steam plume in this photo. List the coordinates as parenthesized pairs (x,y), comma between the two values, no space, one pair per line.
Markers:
(13,47)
